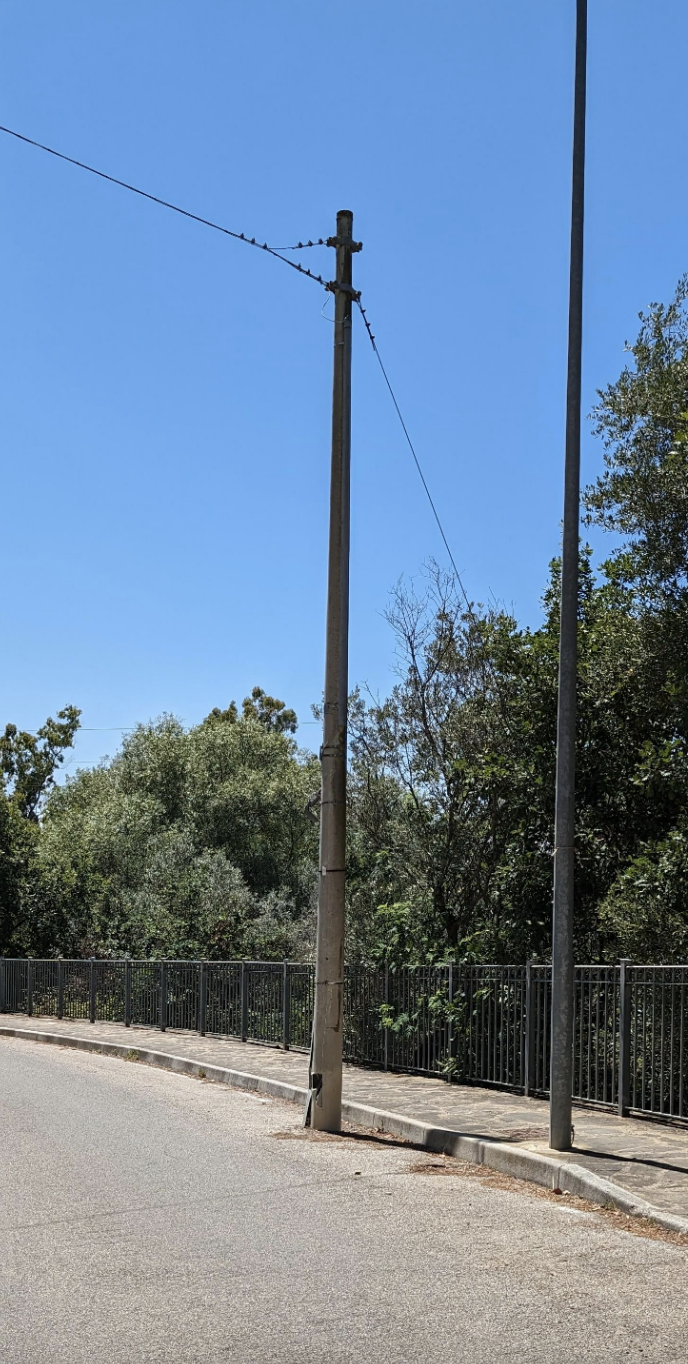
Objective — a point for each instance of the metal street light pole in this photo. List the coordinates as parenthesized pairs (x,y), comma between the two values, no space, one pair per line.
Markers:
(561,1066)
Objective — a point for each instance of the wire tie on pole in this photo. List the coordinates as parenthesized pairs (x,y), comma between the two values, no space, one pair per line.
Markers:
(344,241)
(336,288)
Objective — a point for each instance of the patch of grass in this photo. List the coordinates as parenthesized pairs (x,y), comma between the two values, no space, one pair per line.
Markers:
(201,1073)
(132,1056)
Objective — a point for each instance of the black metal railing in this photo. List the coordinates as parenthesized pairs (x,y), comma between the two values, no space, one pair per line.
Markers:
(480,1024)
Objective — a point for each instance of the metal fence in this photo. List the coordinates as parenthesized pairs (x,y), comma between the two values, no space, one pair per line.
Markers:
(485,1025)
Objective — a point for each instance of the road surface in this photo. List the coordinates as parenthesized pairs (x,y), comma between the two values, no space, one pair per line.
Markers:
(149,1217)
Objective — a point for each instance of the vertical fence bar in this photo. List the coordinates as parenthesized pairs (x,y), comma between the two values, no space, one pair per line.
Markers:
(662,1041)
(588,1058)
(596,1066)
(469,1032)
(202,997)
(539,1040)
(60,989)
(92,990)
(29,988)
(653,1006)
(3,986)
(450,1024)
(127,994)
(386,1038)
(605,1052)
(286,1007)
(672,1015)
(529,1059)
(681,1047)
(624,1038)
(244,1002)
(163,996)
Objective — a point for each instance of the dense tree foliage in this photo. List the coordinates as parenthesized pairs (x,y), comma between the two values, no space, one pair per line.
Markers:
(28,764)
(203,842)
(190,842)
(453,774)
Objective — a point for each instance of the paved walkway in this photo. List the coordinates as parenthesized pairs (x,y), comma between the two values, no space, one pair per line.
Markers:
(648,1159)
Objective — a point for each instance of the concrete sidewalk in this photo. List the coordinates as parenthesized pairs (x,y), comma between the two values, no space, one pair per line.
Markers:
(647,1160)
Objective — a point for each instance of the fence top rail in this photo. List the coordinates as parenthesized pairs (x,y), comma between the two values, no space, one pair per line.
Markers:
(373,967)
(488,965)
(599,970)
(153,961)
(245,961)
(664,966)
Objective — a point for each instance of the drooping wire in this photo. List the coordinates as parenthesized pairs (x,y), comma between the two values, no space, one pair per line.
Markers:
(272,251)
(174,208)
(412,448)
(486,663)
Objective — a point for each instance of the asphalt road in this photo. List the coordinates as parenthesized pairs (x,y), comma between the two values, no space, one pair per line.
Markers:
(149,1217)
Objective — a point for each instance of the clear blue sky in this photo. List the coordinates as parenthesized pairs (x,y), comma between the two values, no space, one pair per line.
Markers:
(165,391)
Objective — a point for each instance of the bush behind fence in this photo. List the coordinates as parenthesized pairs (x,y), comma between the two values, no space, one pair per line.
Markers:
(482,1024)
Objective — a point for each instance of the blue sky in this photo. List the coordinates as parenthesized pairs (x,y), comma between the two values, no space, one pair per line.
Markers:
(165,391)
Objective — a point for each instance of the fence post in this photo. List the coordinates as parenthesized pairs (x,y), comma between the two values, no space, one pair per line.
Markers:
(244,1002)
(467,997)
(92,990)
(386,1015)
(202,997)
(450,1028)
(29,988)
(286,1006)
(529,1029)
(163,995)
(127,994)
(3,987)
(624,1038)
(60,989)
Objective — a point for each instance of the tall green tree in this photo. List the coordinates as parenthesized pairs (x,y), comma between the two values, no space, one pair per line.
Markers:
(28,767)
(189,843)
(642,497)
(28,762)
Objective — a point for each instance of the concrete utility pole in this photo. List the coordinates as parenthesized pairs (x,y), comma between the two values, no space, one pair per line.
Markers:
(561,1069)
(326,1050)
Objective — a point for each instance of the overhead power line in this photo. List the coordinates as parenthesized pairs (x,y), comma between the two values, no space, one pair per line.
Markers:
(411,446)
(271,251)
(175,208)
(470,610)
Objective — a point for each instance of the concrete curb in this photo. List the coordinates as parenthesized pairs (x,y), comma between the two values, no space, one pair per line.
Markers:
(515,1161)
(164,1060)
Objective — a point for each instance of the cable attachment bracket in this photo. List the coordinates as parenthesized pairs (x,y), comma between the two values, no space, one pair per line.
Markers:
(344,241)
(334,288)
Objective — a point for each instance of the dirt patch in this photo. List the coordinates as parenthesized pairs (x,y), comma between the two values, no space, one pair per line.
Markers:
(525,1134)
(605,1216)
(449,1166)
(349,1134)
(309,1134)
